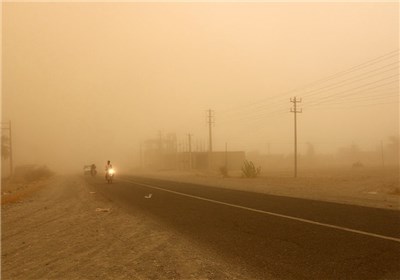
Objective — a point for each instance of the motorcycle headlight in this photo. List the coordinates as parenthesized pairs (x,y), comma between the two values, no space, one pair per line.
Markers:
(111,171)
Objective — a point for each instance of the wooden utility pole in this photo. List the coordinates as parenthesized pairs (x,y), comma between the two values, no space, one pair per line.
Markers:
(190,150)
(382,155)
(160,142)
(141,155)
(295,111)
(180,154)
(7,126)
(210,121)
(11,151)
(226,156)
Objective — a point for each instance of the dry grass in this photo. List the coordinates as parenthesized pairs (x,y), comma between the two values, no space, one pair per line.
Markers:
(26,180)
(17,196)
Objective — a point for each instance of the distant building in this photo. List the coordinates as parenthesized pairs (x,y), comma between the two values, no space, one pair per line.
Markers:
(214,160)
(162,154)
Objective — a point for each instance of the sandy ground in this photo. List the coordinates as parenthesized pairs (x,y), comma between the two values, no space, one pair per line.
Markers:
(51,229)
(371,187)
(56,233)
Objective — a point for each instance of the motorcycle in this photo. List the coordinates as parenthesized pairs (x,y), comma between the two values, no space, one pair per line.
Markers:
(110,175)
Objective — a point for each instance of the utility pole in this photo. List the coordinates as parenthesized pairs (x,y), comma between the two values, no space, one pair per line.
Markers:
(160,142)
(190,150)
(382,155)
(226,156)
(141,156)
(11,153)
(7,126)
(210,121)
(295,111)
(180,153)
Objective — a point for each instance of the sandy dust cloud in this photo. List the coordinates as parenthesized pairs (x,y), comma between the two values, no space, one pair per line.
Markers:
(87,82)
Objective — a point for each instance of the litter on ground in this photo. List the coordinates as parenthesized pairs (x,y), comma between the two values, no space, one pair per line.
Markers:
(102,209)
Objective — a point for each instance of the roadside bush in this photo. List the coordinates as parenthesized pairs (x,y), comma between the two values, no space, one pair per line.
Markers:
(224,171)
(358,164)
(249,170)
(31,173)
(396,191)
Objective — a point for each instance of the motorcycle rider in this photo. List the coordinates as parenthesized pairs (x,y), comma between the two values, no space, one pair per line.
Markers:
(108,166)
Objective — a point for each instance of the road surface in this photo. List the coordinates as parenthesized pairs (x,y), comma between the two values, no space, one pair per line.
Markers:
(269,236)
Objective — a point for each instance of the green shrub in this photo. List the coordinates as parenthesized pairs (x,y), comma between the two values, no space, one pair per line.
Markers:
(249,170)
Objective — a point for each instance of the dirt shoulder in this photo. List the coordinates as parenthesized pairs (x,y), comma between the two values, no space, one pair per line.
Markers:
(66,231)
(26,180)
(15,192)
(365,187)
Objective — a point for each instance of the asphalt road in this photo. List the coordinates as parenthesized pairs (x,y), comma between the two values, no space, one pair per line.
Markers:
(287,238)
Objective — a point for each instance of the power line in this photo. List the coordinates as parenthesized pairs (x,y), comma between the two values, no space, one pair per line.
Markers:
(346,92)
(256,117)
(260,108)
(260,116)
(333,76)
(326,99)
(360,105)
(351,99)
(340,84)
(353,95)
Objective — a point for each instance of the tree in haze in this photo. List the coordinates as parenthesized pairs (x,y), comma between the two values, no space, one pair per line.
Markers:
(5,147)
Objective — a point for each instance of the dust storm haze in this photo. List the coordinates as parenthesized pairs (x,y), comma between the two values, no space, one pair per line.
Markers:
(87,82)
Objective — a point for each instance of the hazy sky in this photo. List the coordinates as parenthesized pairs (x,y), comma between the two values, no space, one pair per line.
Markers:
(85,82)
